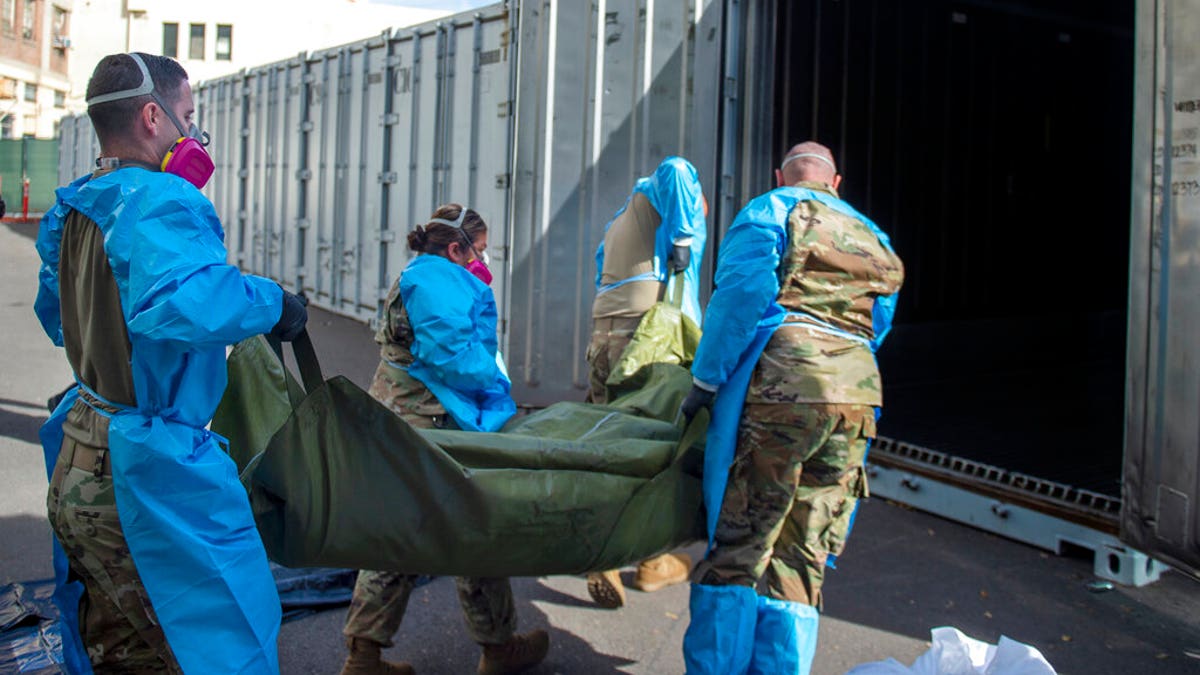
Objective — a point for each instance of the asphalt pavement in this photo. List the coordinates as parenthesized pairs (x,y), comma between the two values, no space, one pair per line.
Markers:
(904,572)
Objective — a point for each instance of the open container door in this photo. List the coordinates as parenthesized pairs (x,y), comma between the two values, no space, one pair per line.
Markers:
(1161,513)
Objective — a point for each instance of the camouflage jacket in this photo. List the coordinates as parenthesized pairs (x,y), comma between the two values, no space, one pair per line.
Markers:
(834,268)
(393,386)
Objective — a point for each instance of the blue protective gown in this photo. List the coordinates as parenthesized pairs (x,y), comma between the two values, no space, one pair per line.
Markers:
(742,315)
(453,317)
(674,192)
(186,516)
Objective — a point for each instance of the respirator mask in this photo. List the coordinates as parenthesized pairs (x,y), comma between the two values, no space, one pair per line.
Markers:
(477,266)
(187,157)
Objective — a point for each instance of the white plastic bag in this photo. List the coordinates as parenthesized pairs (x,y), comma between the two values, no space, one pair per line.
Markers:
(953,653)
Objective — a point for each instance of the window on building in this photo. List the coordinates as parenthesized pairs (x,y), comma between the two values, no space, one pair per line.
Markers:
(30,92)
(6,127)
(224,42)
(60,99)
(196,43)
(8,17)
(27,19)
(171,40)
(59,39)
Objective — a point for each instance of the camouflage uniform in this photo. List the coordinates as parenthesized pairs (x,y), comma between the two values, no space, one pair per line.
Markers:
(809,413)
(629,251)
(116,620)
(380,598)
(406,396)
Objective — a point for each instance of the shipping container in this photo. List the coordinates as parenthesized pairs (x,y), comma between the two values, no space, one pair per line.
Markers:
(1043,370)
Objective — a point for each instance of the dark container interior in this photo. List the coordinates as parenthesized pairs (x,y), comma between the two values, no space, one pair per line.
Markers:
(993,142)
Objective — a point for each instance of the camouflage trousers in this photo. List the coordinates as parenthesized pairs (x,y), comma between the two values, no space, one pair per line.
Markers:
(409,398)
(609,339)
(380,598)
(116,620)
(795,481)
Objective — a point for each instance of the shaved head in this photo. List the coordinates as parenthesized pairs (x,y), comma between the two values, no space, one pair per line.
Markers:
(808,162)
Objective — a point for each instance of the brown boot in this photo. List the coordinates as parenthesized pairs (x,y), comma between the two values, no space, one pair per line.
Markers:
(606,589)
(661,571)
(519,653)
(364,659)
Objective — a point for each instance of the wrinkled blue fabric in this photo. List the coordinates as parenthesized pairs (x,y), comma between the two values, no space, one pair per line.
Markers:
(674,192)
(66,593)
(720,637)
(186,517)
(453,317)
(721,440)
(785,638)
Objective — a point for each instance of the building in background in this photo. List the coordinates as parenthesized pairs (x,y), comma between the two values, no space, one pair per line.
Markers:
(219,37)
(35,83)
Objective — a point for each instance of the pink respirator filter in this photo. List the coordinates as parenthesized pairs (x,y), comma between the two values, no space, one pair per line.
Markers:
(190,161)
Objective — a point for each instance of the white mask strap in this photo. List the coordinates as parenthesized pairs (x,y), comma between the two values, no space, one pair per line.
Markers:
(791,158)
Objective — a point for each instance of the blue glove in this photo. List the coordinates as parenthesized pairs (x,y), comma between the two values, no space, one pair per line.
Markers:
(293,318)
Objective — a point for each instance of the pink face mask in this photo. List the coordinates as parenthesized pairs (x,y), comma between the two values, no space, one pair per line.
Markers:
(480,270)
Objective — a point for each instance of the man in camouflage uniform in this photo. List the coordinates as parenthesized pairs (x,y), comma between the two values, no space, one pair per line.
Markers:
(381,597)
(810,407)
(141,349)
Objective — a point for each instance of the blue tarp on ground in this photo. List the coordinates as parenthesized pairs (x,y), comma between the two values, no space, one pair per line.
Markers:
(31,631)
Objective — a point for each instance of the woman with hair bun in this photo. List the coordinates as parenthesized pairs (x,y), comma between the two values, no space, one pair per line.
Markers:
(438,369)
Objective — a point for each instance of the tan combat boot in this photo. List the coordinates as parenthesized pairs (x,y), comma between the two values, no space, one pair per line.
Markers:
(606,589)
(662,571)
(514,656)
(364,659)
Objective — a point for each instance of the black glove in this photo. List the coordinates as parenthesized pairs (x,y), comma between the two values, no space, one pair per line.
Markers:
(696,399)
(294,317)
(680,258)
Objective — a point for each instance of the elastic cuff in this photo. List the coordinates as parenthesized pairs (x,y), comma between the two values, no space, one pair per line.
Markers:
(683,241)
(703,385)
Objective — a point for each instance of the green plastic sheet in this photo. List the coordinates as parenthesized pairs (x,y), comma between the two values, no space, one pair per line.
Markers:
(337,480)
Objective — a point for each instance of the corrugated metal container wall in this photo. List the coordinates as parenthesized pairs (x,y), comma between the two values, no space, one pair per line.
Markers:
(541,118)
(1161,513)
(605,91)
(219,110)
(78,148)
(448,132)
(326,161)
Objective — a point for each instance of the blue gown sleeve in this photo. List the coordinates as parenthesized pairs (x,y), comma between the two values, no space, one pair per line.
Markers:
(179,287)
(46,306)
(445,336)
(746,285)
(49,244)
(882,314)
